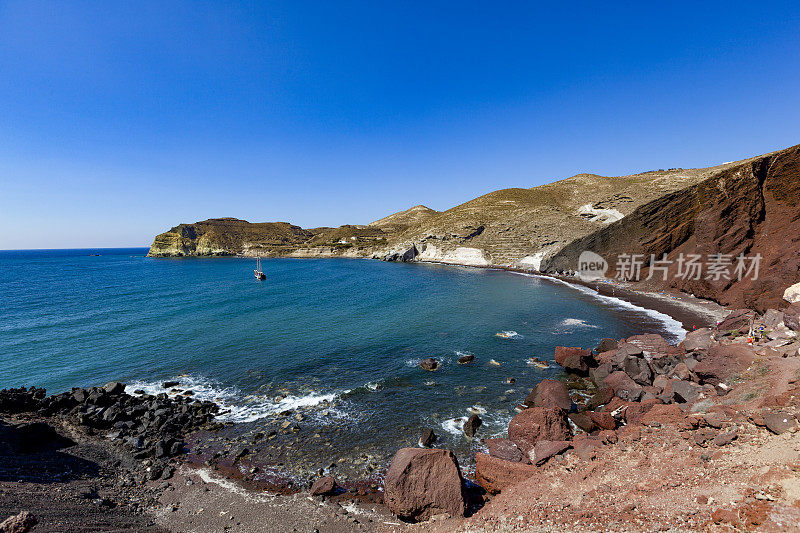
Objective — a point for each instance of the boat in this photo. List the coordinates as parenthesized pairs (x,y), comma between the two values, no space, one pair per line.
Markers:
(259,274)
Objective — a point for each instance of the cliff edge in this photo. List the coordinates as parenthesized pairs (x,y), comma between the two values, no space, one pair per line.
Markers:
(743,208)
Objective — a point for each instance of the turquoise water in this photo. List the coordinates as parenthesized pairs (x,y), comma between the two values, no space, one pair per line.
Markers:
(347,331)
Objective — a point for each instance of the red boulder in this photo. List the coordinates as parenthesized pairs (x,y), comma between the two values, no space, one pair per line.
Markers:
(549,393)
(506,450)
(623,386)
(324,486)
(422,483)
(495,475)
(724,361)
(545,449)
(791,317)
(573,359)
(535,424)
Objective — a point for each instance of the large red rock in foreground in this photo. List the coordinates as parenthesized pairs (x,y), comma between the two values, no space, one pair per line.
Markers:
(423,483)
(495,474)
(538,423)
(723,362)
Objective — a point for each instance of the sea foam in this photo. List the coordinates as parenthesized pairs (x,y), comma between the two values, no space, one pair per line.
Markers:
(236,406)
(674,330)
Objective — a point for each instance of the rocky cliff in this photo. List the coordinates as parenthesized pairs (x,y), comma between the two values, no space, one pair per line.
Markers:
(226,236)
(751,208)
(746,208)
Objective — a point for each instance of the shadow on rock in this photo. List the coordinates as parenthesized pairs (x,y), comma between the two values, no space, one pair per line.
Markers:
(31,453)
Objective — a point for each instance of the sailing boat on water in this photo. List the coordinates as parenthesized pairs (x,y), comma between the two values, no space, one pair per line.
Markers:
(259,274)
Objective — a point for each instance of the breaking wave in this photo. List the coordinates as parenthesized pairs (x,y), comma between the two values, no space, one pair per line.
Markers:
(234,405)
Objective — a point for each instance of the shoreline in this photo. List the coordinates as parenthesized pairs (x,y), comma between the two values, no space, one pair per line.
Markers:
(696,451)
(362,496)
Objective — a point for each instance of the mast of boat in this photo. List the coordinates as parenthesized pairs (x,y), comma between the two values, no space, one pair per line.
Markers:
(259,274)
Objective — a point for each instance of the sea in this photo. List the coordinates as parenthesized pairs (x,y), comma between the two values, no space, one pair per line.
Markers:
(337,339)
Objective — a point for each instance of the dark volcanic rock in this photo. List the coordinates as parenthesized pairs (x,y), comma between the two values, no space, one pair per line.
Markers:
(723,439)
(151,426)
(471,425)
(430,364)
(13,401)
(583,421)
(778,422)
(638,369)
(699,339)
(599,374)
(791,317)
(427,438)
(36,437)
(601,397)
(20,523)
(170,384)
(606,345)
(466,359)
(114,388)
(422,483)
(738,321)
(535,424)
(602,420)
(549,393)
(650,345)
(685,391)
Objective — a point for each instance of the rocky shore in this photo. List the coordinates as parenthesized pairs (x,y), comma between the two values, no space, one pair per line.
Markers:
(638,434)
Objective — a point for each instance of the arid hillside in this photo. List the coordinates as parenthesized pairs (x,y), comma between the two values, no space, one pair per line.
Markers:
(404,219)
(746,207)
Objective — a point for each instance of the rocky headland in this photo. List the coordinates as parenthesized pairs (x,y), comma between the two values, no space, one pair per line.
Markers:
(746,207)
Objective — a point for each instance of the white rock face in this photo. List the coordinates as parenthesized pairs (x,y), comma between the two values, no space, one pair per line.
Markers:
(792,293)
(603,216)
(532,261)
(460,256)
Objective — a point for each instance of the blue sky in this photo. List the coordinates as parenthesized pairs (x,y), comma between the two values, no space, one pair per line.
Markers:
(119,120)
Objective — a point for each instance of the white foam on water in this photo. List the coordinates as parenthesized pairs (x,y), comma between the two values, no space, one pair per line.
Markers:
(234,406)
(576,323)
(476,409)
(454,426)
(495,423)
(673,328)
(508,335)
